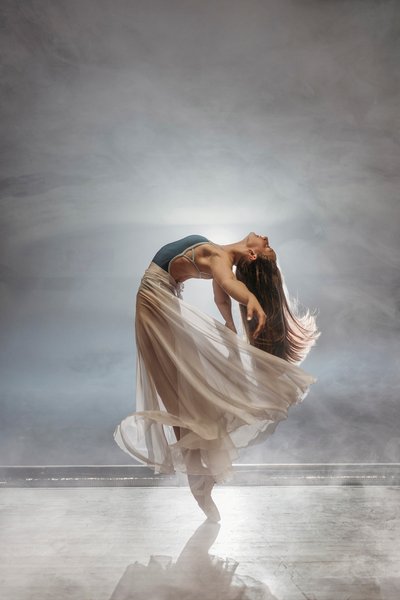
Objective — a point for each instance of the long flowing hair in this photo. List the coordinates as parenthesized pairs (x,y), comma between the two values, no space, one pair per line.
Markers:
(287,333)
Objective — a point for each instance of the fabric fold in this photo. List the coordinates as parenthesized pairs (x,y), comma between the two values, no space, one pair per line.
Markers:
(194,373)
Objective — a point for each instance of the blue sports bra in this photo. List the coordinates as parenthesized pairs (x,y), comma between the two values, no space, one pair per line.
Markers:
(169,252)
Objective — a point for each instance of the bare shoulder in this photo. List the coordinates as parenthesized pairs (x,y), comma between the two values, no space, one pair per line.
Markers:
(221,266)
(210,247)
(213,249)
(212,252)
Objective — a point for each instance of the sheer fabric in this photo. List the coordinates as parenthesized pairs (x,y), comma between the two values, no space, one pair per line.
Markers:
(194,373)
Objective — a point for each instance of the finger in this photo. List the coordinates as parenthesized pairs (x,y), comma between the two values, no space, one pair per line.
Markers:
(260,326)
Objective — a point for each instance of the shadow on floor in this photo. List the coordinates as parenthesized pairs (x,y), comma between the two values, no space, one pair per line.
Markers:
(195,574)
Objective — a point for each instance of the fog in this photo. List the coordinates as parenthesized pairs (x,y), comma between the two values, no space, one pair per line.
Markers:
(129,124)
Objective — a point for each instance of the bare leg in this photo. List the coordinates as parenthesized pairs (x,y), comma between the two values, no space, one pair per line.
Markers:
(201,484)
(166,381)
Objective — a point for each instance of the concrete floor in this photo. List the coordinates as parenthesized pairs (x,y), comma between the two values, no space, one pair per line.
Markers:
(285,543)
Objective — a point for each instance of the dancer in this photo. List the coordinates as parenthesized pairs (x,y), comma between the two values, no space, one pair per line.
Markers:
(202,390)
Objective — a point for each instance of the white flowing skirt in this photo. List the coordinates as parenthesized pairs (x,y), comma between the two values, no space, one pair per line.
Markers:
(194,373)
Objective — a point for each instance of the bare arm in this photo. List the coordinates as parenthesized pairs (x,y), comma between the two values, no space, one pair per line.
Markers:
(225,278)
(224,303)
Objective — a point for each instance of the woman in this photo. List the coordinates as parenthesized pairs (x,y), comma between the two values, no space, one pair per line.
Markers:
(202,391)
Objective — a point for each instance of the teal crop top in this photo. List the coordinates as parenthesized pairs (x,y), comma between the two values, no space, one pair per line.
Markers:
(172,250)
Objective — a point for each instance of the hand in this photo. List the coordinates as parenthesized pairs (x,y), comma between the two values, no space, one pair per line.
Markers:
(254,309)
(230,325)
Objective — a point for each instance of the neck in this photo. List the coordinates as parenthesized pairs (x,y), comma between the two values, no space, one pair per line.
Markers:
(234,251)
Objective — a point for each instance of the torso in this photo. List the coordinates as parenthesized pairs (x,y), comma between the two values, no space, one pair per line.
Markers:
(174,259)
(181,268)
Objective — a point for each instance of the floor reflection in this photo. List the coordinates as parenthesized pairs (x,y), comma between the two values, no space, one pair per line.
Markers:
(195,574)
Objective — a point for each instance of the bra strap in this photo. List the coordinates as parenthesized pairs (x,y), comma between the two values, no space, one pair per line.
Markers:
(193,261)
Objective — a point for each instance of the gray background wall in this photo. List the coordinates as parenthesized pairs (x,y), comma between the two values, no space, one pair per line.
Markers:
(127,124)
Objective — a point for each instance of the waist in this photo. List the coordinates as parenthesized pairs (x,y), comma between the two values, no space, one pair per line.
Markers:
(154,274)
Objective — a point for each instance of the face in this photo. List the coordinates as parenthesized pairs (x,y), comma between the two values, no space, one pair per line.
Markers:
(259,244)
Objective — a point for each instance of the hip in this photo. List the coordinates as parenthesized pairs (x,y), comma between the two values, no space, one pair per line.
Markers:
(155,279)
